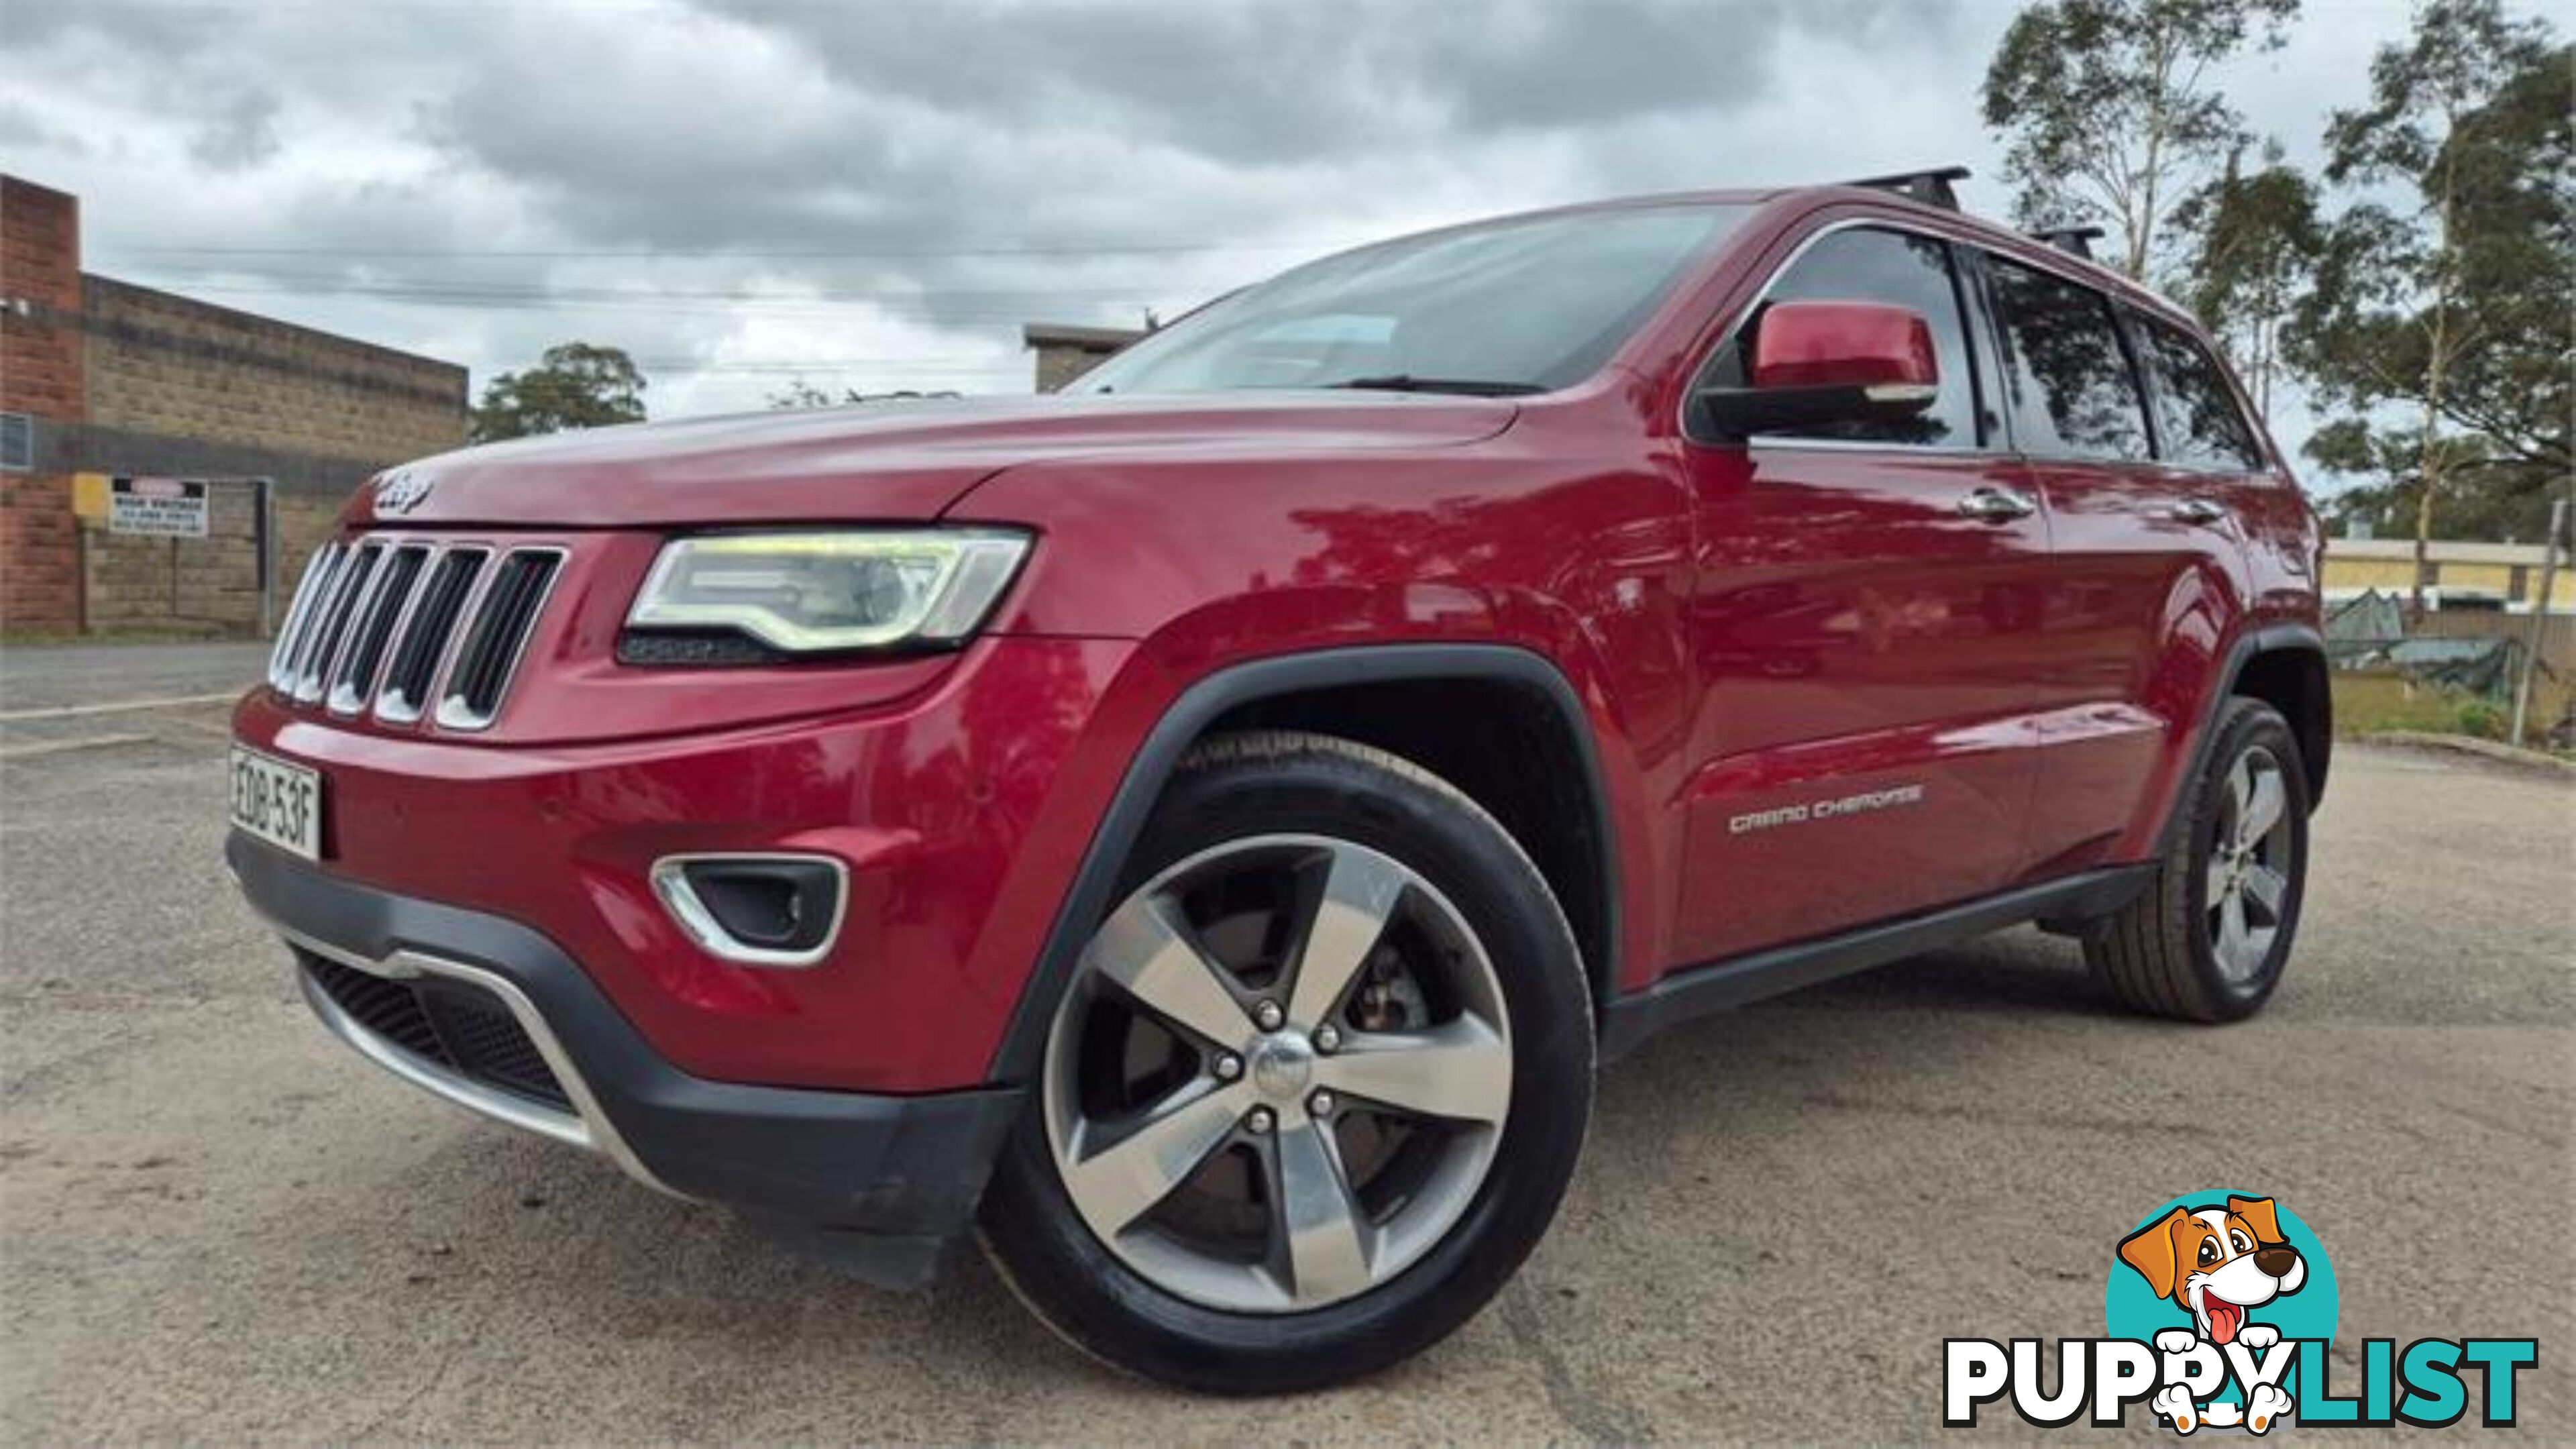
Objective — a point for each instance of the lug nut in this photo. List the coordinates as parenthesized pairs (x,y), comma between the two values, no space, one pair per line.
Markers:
(1228,1066)
(1320,1105)
(1268,1015)
(1258,1121)
(1328,1038)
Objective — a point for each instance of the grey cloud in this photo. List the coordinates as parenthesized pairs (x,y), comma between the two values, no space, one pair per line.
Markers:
(240,133)
(481,177)
(22,125)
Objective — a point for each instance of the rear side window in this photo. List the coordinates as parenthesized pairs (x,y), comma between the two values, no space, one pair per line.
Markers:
(1865,265)
(2203,426)
(2074,394)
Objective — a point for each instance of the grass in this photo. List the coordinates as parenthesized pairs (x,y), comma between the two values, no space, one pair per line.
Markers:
(2367,701)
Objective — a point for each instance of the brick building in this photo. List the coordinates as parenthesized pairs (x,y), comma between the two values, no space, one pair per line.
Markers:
(1065,352)
(102,376)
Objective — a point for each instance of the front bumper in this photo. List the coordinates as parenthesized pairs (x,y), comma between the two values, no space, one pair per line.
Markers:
(431,993)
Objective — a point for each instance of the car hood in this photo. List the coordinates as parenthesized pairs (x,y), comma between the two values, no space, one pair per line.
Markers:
(894,461)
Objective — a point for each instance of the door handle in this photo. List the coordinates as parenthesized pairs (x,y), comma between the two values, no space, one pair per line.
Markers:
(2198,510)
(1996,505)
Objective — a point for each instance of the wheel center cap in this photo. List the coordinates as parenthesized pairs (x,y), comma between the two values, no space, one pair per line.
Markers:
(1283,1065)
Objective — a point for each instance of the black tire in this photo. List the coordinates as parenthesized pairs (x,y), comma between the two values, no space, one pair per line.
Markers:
(1246,785)
(2157,955)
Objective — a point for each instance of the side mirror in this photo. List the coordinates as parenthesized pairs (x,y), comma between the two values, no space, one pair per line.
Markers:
(1829,362)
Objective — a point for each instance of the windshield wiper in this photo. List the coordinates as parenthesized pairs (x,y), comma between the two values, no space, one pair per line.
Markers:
(1407,382)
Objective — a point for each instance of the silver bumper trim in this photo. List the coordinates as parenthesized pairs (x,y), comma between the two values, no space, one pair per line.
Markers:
(586,1126)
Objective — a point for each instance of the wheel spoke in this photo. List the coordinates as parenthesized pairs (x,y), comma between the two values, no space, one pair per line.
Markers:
(1461,1071)
(2232,934)
(2214,885)
(1317,1222)
(1122,1180)
(2262,810)
(1150,955)
(1360,892)
(2265,887)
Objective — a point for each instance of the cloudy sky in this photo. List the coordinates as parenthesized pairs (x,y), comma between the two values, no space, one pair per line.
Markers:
(873,195)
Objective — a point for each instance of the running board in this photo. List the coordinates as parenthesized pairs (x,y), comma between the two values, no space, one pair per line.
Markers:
(1699,990)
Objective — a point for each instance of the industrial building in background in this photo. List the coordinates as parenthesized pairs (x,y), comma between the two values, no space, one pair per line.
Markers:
(1067,352)
(165,464)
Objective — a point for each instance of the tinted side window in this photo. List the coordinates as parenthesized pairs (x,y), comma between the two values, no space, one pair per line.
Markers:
(2203,427)
(1878,266)
(2073,391)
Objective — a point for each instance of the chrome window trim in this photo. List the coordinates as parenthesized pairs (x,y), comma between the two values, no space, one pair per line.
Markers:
(465,721)
(680,899)
(409,712)
(587,1126)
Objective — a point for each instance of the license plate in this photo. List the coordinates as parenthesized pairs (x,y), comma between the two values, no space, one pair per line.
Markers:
(278,802)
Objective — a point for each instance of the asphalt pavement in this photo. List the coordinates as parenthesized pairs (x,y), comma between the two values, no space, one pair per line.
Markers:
(217,1225)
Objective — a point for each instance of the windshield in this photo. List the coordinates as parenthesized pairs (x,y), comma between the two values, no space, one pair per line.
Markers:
(1518,306)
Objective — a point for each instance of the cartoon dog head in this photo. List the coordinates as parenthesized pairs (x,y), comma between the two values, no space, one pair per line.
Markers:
(2216,1263)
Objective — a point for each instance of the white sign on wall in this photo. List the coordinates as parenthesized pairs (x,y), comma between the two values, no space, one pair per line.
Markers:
(157,507)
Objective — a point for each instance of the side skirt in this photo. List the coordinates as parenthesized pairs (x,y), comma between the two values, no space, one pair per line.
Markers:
(1700,990)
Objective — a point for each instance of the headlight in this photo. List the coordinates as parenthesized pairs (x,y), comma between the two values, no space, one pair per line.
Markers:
(812,592)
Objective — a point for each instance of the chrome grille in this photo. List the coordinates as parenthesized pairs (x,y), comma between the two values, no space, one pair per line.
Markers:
(490,654)
(332,624)
(379,623)
(424,642)
(353,682)
(317,581)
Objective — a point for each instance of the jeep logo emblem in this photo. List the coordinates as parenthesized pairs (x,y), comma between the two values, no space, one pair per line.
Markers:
(402,491)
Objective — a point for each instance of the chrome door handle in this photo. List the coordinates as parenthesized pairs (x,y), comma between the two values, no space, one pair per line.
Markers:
(1996,505)
(2198,510)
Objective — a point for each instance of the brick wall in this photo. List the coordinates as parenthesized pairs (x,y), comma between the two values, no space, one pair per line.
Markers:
(206,585)
(131,380)
(186,389)
(169,366)
(1065,352)
(40,375)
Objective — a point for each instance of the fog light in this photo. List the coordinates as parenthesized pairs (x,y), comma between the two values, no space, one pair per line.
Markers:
(760,910)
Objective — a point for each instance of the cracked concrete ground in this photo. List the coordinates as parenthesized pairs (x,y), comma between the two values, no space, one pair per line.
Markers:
(215,1224)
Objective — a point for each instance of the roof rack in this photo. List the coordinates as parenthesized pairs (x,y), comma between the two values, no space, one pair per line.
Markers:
(2074,240)
(1935,187)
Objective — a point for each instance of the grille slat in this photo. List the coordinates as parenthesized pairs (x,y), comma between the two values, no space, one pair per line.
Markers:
(355,678)
(299,614)
(457,1028)
(497,636)
(424,641)
(331,628)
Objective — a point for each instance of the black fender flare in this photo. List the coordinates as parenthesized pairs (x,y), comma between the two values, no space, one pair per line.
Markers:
(1023,1045)
(2263,639)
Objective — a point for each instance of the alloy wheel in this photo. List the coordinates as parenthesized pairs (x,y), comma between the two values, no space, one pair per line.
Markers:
(1280,1076)
(2247,883)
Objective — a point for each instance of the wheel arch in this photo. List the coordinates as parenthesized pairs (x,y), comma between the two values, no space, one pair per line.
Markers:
(2284,665)
(1361,693)
(2290,674)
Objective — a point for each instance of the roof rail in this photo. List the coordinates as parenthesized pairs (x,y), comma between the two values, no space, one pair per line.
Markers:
(1934,187)
(2075,240)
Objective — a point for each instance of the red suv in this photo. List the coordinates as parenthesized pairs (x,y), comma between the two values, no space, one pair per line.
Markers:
(1202,831)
